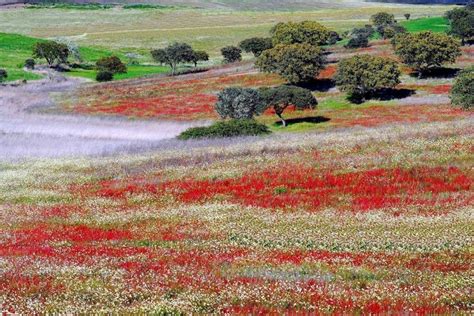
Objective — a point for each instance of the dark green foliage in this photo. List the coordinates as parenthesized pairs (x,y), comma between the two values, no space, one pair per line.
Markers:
(256,45)
(462,94)
(279,98)
(296,63)
(333,38)
(174,55)
(392,31)
(231,54)
(357,42)
(159,55)
(53,52)
(362,75)
(104,75)
(3,75)
(462,22)
(360,37)
(200,56)
(308,32)
(426,50)
(383,19)
(407,16)
(30,63)
(111,64)
(239,103)
(222,129)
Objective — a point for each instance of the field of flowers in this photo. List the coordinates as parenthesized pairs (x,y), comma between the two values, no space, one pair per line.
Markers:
(361,220)
(192,97)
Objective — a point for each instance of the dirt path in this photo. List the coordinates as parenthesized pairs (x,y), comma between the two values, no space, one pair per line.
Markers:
(25,132)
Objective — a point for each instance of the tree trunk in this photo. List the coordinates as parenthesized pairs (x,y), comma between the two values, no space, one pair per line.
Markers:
(283,122)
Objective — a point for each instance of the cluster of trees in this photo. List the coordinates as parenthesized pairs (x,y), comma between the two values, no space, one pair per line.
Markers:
(178,53)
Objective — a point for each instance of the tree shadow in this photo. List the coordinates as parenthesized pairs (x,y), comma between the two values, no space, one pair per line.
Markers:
(310,119)
(382,95)
(441,72)
(320,85)
(392,94)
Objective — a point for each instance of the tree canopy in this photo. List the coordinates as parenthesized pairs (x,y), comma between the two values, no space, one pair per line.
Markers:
(461,21)
(308,32)
(239,103)
(362,75)
(426,50)
(462,93)
(279,98)
(296,62)
(173,55)
(231,54)
(256,45)
(53,52)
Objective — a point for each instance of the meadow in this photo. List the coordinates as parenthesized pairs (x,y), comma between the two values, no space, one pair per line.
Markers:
(359,209)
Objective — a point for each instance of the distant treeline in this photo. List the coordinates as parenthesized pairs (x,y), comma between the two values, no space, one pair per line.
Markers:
(423,1)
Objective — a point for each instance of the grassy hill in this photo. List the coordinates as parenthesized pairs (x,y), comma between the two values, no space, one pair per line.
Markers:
(15,49)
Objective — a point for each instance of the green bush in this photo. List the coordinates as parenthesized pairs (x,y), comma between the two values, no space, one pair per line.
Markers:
(462,93)
(222,129)
(30,63)
(111,64)
(104,76)
(3,75)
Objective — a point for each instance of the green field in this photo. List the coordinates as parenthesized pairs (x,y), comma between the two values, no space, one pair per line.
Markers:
(435,24)
(15,49)
(139,30)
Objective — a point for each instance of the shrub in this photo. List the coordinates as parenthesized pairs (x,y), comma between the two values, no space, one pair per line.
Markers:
(283,96)
(462,93)
(53,52)
(230,128)
(3,75)
(362,75)
(111,64)
(296,62)
(308,32)
(30,63)
(256,45)
(333,38)
(426,50)
(104,75)
(407,16)
(231,54)
(239,103)
(357,42)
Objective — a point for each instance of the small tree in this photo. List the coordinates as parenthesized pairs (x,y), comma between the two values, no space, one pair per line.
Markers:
(256,45)
(308,32)
(426,50)
(239,103)
(357,42)
(362,75)
(200,56)
(407,16)
(383,19)
(174,55)
(3,75)
(279,98)
(111,64)
(54,53)
(296,63)
(132,58)
(392,31)
(462,93)
(231,54)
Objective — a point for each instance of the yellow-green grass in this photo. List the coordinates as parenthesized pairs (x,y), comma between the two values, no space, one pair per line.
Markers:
(210,30)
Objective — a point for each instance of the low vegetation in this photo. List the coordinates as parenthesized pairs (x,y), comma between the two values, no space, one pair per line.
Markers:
(462,93)
(230,128)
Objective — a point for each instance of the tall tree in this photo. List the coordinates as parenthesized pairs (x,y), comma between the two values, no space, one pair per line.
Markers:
(307,32)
